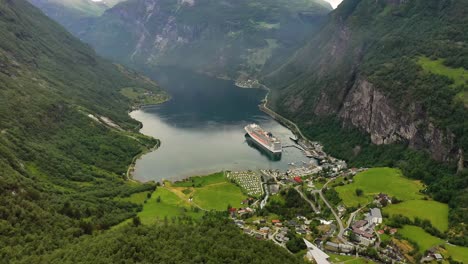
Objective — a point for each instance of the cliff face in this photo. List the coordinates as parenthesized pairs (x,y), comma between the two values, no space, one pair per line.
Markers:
(234,39)
(369,109)
(364,68)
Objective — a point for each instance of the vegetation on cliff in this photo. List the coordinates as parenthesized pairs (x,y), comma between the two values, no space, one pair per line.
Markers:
(410,56)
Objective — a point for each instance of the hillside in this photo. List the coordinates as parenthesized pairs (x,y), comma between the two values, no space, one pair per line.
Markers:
(233,39)
(73,14)
(394,71)
(66,141)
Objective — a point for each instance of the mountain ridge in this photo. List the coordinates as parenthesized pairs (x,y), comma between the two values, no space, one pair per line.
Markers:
(231,39)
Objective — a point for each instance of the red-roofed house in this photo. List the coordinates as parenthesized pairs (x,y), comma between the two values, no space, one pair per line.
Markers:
(298,179)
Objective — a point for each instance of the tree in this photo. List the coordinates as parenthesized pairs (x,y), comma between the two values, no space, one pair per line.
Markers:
(158,200)
(136,221)
(359,192)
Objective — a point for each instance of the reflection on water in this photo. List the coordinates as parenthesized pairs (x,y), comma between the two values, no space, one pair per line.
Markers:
(202,129)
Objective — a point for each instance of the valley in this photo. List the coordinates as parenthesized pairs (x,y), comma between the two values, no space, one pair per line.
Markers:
(122,131)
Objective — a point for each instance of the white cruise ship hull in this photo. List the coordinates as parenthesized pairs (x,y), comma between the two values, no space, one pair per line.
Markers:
(263,142)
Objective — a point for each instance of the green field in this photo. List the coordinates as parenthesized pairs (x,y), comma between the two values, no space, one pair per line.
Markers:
(433,211)
(416,234)
(211,192)
(458,75)
(373,181)
(458,253)
(218,196)
(170,206)
(200,181)
(426,241)
(140,96)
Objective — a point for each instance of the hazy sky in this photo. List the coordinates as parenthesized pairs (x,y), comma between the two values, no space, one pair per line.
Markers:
(334,3)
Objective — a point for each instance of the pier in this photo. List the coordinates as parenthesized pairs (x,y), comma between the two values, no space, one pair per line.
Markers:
(306,152)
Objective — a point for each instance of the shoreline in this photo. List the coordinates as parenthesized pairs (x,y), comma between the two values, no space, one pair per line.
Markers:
(263,107)
(279,118)
(131,166)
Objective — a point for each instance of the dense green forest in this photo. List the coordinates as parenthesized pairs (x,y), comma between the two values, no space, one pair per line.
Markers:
(215,240)
(388,44)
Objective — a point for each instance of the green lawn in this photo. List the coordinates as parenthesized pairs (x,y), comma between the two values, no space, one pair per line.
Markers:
(373,181)
(416,234)
(218,196)
(433,211)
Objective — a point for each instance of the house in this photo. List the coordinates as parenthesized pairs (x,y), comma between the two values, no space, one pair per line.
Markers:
(275,221)
(438,257)
(364,231)
(344,248)
(298,179)
(375,216)
(382,199)
(314,253)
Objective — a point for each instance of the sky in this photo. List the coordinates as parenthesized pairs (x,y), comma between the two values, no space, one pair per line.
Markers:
(334,3)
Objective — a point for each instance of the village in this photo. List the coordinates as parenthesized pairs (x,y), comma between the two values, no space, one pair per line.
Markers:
(328,228)
(359,234)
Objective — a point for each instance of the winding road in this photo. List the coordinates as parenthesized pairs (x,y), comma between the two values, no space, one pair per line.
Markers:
(338,220)
(307,199)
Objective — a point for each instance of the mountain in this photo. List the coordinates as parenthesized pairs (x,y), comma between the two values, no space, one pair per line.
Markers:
(396,71)
(73,14)
(232,39)
(66,142)
(65,135)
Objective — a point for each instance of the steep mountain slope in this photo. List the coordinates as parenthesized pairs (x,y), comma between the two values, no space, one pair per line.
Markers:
(367,68)
(395,70)
(59,168)
(66,141)
(224,38)
(73,14)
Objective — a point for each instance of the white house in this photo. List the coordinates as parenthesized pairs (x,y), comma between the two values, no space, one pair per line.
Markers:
(375,216)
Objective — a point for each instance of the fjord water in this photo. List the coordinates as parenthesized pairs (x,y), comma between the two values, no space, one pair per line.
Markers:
(202,129)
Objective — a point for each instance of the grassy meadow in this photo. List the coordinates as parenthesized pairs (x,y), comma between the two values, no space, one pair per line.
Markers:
(392,182)
(211,192)
(426,241)
(459,76)
(379,180)
(433,211)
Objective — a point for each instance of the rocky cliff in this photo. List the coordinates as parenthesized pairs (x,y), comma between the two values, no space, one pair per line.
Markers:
(365,68)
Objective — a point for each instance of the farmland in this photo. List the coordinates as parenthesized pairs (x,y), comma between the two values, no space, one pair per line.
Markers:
(379,180)
(433,211)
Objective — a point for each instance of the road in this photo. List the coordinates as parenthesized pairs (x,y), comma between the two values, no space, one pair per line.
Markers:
(265,200)
(307,199)
(338,220)
(352,215)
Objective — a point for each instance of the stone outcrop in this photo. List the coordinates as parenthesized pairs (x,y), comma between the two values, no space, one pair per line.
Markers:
(368,109)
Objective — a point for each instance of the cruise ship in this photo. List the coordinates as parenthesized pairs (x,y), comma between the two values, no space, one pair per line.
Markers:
(264,138)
